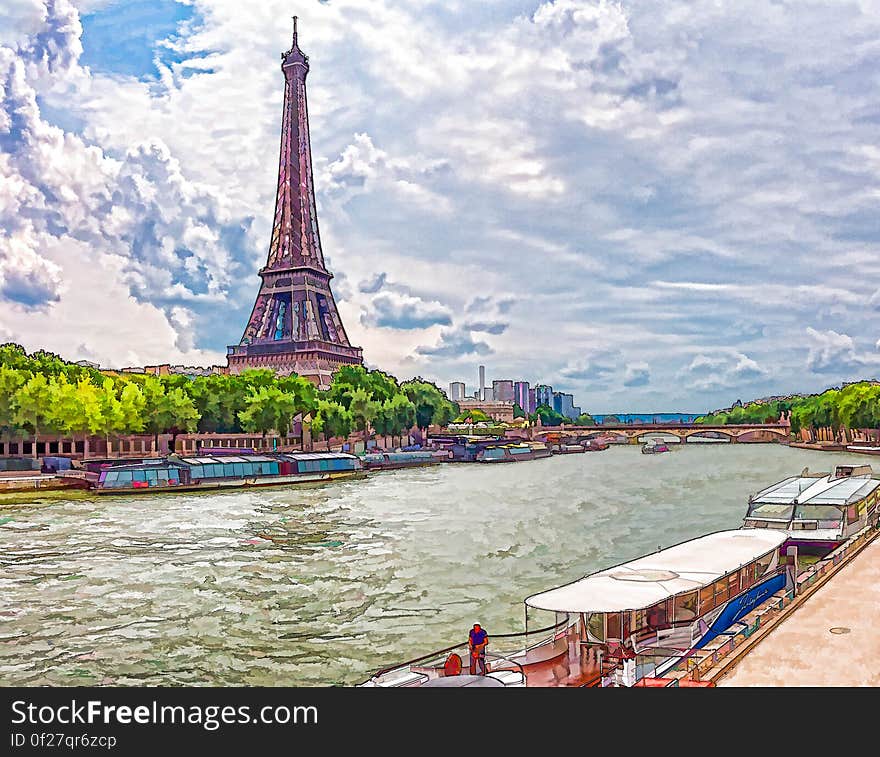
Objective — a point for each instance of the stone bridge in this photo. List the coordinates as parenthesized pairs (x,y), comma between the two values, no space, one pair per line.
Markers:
(632,433)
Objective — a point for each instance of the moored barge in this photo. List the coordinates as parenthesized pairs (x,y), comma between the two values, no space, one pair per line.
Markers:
(226,472)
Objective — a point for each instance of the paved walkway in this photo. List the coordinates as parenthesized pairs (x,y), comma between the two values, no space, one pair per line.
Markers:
(802,651)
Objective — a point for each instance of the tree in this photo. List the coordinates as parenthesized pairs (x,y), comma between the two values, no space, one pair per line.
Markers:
(430,403)
(472,416)
(518,412)
(132,403)
(549,417)
(585,419)
(11,380)
(363,410)
(111,418)
(331,419)
(268,408)
(34,404)
(178,414)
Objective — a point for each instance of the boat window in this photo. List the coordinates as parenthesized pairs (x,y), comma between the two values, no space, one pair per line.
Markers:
(852,514)
(774,511)
(110,475)
(162,473)
(638,620)
(733,584)
(139,475)
(827,515)
(124,475)
(612,625)
(152,475)
(746,576)
(685,606)
(761,565)
(720,591)
(197,471)
(596,626)
(272,468)
(657,616)
(238,469)
(228,469)
(707,599)
(493,454)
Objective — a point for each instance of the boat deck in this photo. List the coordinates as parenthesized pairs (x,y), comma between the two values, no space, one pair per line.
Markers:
(572,665)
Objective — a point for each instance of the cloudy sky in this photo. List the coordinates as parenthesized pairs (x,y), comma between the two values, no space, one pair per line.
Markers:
(656,206)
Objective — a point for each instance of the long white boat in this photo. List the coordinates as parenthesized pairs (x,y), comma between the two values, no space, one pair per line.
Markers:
(620,625)
(818,511)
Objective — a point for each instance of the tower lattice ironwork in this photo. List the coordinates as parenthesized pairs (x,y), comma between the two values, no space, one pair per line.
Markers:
(295,326)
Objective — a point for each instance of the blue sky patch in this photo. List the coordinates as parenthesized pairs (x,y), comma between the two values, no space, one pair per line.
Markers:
(121,39)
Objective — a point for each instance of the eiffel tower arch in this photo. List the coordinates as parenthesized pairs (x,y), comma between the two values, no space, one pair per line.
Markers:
(295,326)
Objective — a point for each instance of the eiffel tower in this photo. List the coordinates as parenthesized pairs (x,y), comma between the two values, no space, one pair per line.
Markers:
(295,325)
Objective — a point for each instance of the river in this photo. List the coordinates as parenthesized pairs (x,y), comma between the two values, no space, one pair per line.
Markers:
(323,585)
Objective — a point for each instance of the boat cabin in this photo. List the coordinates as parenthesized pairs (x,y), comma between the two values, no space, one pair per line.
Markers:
(644,616)
(818,511)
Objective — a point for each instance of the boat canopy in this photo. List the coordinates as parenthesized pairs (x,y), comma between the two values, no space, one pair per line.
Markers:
(644,582)
(827,490)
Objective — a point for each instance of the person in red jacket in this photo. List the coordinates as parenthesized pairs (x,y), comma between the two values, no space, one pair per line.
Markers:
(478,639)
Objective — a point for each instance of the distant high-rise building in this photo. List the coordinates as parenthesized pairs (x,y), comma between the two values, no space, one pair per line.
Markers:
(543,395)
(521,394)
(564,405)
(502,390)
(533,402)
(456,391)
(482,383)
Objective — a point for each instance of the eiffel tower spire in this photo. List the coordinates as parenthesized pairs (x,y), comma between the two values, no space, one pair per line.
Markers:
(295,326)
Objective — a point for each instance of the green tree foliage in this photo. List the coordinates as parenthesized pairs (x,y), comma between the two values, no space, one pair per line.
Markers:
(518,412)
(331,419)
(548,416)
(34,406)
(432,406)
(11,380)
(74,400)
(363,409)
(268,408)
(585,419)
(472,416)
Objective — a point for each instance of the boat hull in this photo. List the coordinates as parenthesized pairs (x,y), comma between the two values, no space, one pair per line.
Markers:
(244,483)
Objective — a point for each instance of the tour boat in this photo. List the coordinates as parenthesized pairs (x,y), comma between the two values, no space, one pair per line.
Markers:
(226,472)
(818,511)
(407,459)
(653,446)
(621,625)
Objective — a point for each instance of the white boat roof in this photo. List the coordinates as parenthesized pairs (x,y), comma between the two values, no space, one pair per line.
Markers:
(653,578)
(827,490)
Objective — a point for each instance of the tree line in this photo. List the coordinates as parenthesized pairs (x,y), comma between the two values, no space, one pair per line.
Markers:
(41,393)
(854,406)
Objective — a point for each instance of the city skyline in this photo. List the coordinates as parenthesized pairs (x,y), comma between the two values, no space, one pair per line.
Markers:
(632,202)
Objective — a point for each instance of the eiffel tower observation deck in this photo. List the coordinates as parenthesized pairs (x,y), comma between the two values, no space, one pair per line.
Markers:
(295,326)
